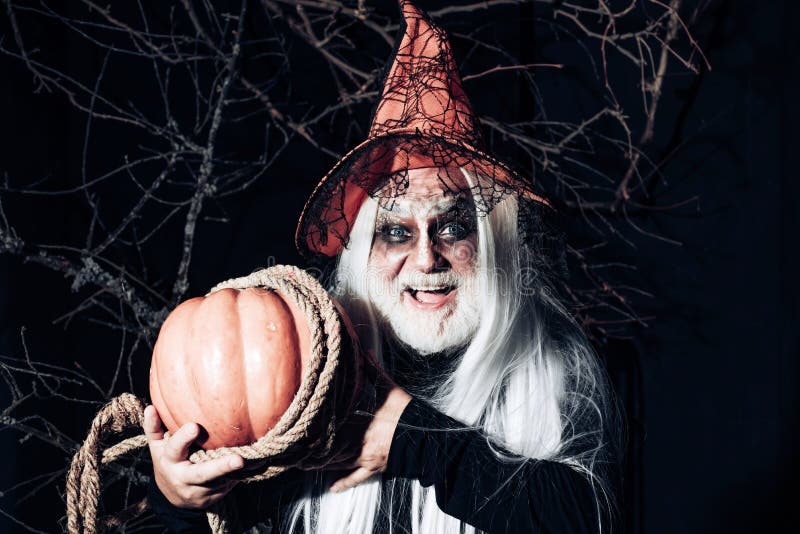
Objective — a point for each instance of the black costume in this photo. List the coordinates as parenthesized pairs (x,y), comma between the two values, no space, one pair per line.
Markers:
(471,484)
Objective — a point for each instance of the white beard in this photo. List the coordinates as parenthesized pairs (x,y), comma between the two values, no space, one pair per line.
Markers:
(427,331)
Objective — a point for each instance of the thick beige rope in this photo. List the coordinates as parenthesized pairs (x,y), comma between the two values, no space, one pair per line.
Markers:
(303,437)
(83,480)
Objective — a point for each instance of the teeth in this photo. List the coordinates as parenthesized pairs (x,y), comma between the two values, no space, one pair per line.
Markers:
(430,289)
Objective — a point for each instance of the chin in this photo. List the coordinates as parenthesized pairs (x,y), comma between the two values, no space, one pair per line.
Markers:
(434,330)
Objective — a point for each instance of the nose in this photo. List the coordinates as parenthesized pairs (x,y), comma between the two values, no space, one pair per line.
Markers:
(425,256)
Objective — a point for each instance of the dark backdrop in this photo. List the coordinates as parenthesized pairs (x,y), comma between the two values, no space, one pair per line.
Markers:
(708,386)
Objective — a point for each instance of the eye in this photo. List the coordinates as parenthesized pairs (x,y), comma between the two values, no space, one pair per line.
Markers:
(454,231)
(394,233)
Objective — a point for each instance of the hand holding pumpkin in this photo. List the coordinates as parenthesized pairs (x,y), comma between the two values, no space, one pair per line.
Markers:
(377,440)
(366,438)
(184,484)
(234,360)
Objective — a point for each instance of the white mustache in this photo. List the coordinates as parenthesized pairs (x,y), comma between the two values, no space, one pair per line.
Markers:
(428,280)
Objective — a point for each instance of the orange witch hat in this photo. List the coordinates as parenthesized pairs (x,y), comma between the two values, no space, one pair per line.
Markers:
(423,119)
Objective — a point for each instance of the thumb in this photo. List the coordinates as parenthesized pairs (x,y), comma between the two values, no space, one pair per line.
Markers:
(152,425)
(177,446)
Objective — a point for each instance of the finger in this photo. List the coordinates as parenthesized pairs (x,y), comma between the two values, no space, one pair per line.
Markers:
(212,470)
(152,424)
(178,444)
(353,479)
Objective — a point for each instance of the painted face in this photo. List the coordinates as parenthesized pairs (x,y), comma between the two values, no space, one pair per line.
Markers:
(422,266)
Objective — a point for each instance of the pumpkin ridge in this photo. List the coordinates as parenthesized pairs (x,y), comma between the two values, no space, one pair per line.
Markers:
(189,309)
(160,366)
(243,382)
(294,333)
(285,311)
(192,382)
(164,406)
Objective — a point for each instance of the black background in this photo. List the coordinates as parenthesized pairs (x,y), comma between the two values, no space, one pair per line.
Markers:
(708,386)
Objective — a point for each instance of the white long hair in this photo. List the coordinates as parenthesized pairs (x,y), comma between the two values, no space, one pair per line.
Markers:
(528,379)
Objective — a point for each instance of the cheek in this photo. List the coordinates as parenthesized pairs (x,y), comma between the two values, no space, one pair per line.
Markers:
(386,260)
(461,254)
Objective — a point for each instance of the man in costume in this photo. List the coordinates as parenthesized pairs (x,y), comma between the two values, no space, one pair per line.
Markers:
(496,417)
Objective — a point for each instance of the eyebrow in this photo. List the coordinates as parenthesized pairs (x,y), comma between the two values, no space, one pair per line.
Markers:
(442,206)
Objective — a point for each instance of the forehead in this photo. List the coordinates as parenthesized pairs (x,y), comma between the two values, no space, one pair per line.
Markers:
(428,192)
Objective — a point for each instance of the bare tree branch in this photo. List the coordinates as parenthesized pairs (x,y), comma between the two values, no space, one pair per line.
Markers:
(212,74)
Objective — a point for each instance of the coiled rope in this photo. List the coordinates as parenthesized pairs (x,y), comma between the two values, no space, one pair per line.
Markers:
(303,437)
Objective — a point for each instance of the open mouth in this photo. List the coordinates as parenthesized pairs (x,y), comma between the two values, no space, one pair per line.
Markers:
(432,295)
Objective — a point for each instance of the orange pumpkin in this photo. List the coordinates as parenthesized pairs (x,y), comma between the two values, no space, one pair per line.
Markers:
(231,361)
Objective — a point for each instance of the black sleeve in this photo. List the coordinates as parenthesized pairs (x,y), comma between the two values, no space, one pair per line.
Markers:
(259,503)
(472,484)
(174,519)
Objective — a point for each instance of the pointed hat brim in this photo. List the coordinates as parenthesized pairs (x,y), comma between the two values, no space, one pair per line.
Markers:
(328,215)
